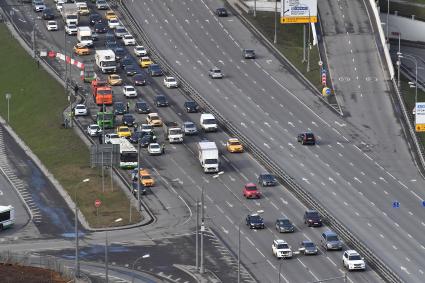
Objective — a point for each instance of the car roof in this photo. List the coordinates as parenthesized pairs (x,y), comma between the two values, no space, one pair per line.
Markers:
(352,252)
(250,185)
(233,140)
(207,116)
(307,241)
(329,233)
(280,241)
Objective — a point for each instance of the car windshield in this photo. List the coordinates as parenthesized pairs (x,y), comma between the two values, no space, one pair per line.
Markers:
(282,246)
(234,143)
(154,146)
(161,98)
(191,103)
(170,80)
(332,238)
(140,105)
(209,121)
(80,107)
(155,68)
(175,132)
(309,136)
(105,116)
(103,91)
(189,125)
(249,51)
(124,130)
(216,71)
(314,215)
(284,222)
(255,218)
(94,127)
(267,177)
(154,117)
(130,89)
(72,17)
(129,157)
(354,257)
(211,161)
(108,63)
(309,245)
(146,177)
(251,188)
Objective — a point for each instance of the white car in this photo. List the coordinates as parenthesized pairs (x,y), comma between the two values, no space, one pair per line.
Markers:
(146,128)
(80,3)
(154,149)
(59,7)
(94,130)
(281,249)
(113,23)
(215,73)
(189,128)
(140,50)
(71,29)
(170,82)
(80,110)
(60,1)
(51,25)
(129,91)
(128,39)
(38,5)
(353,261)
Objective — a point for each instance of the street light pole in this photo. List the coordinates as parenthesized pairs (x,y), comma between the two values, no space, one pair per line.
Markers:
(399,61)
(134,265)
(413,59)
(388,16)
(202,231)
(280,268)
(8,97)
(138,176)
(197,235)
(77,262)
(255,8)
(106,250)
(309,43)
(275,22)
(239,253)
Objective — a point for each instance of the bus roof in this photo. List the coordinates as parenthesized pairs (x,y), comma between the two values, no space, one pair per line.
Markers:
(5,207)
(125,145)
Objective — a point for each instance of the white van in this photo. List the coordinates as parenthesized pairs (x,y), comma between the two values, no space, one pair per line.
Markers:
(208,122)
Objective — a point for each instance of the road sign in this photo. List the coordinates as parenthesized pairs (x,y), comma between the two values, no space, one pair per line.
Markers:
(396,204)
(420,116)
(320,63)
(97,203)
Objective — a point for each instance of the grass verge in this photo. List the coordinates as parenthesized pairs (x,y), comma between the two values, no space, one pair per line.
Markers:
(408,95)
(36,115)
(405,9)
(290,43)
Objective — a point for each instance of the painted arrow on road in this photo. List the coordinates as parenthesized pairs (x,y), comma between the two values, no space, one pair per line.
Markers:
(332,180)
(306,180)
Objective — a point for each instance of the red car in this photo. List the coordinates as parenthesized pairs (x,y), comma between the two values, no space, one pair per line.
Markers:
(250,191)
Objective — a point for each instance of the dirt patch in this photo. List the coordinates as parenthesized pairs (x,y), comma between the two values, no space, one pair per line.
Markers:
(26,274)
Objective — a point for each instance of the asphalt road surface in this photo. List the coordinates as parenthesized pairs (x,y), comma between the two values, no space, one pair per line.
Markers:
(362,163)
(179,174)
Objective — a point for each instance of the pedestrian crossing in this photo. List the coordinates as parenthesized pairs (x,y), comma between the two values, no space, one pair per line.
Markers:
(20,186)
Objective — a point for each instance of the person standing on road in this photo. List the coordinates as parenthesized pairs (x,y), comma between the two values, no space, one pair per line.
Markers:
(128,106)
(163,148)
(100,139)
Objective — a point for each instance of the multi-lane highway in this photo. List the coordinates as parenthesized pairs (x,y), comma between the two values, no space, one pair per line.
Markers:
(354,179)
(362,163)
(180,181)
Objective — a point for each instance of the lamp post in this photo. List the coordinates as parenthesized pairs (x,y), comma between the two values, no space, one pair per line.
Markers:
(280,268)
(8,97)
(239,247)
(134,265)
(77,262)
(106,250)
(398,61)
(388,16)
(255,8)
(275,22)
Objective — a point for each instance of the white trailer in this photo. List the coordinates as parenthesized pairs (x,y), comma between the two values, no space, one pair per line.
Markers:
(84,36)
(208,156)
(105,60)
(69,14)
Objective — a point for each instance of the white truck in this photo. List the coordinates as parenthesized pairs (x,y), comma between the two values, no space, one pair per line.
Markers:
(84,36)
(173,132)
(208,156)
(69,14)
(105,61)
(208,122)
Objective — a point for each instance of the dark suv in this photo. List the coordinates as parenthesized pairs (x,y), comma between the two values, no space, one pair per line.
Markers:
(119,108)
(255,221)
(312,218)
(306,138)
(221,12)
(191,106)
(161,100)
(330,241)
(248,53)
(267,180)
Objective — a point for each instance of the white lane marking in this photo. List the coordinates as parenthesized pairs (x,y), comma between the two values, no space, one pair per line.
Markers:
(224,230)
(230,219)
(331,261)
(260,252)
(229,204)
(220,209)
(275,206)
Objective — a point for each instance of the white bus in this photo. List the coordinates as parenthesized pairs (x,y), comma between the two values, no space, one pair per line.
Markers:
(128,153)
(7,216)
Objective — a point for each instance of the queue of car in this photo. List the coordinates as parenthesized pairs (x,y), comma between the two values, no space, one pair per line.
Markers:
(145,136)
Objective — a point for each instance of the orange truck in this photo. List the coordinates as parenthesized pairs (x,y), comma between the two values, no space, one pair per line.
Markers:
(102,92)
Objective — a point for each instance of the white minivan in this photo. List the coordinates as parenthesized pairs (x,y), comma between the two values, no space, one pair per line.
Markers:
(208,122)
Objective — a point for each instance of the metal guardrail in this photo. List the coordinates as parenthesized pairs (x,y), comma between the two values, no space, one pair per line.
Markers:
(374,261)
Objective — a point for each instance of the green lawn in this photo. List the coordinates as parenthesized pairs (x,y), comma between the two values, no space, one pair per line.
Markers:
(290,43)
(404,9)
(36,115)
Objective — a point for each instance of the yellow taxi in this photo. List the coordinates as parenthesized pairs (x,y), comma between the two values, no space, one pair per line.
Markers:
(110,15)
(123,132)
(153,119)
(114,79)
(81,49)
(234,145)
(145,62)
(146,179)
(83,11)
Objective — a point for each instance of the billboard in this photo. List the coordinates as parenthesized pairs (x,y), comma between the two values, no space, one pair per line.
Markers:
(298,12)
(420,117)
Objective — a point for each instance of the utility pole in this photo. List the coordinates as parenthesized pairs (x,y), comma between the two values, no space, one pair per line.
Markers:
(399,60)
(255,8)
(304,41)
(138,176)
(202,231)
(197,234)
(106,257)
(239,253)
(275,22)
(309,44)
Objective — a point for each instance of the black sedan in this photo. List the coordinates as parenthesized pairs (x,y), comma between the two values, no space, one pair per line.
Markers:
(191,106)
(142,107)
(284,225)
(155,70)
(101,27)
(94,18)
(308,248)
(48,14)
(255,221)
(221,12)
(267,180)
(130,70)
(128,120)
(161,100)
(139,79)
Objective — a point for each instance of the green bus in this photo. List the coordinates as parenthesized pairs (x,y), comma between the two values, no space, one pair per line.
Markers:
(105,120)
